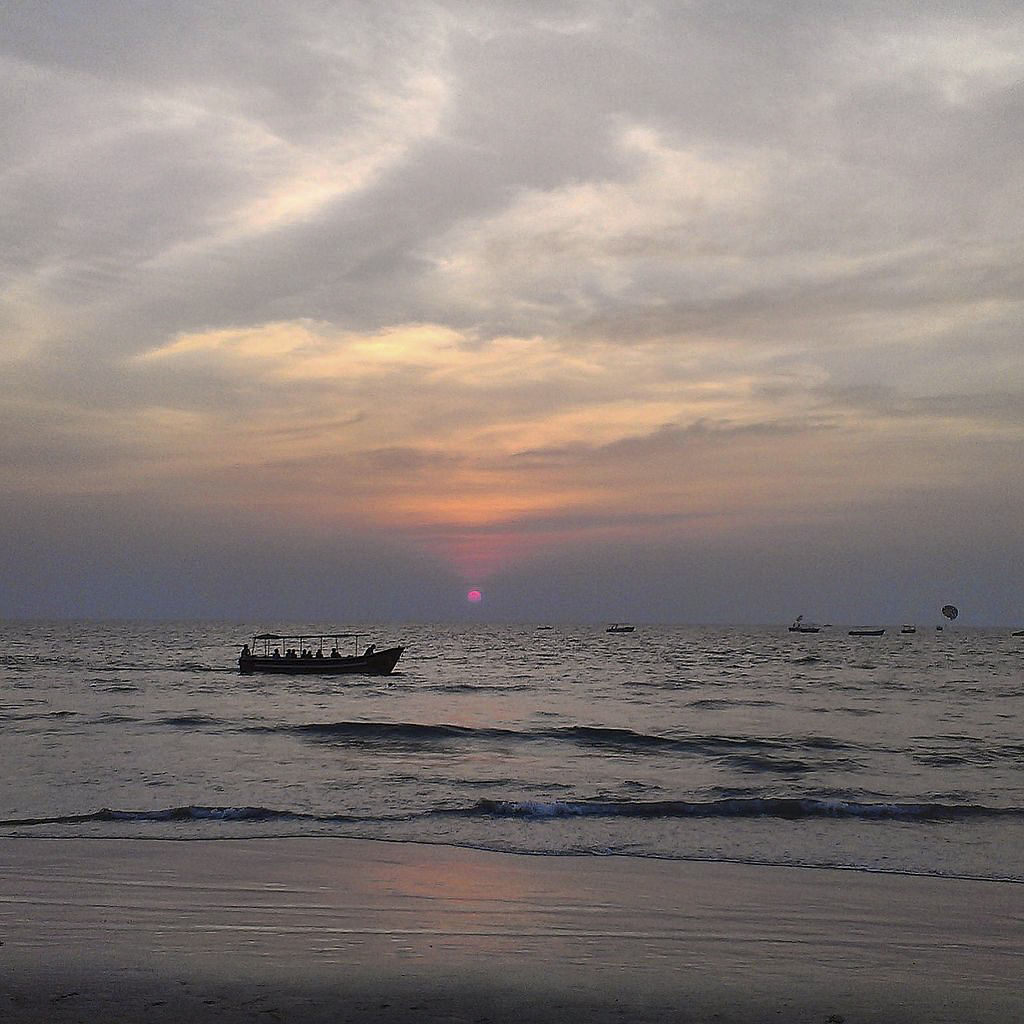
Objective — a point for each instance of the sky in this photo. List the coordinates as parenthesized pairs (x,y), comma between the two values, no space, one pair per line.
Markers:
(681,312)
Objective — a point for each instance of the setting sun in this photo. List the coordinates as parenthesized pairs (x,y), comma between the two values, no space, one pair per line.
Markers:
(474,597)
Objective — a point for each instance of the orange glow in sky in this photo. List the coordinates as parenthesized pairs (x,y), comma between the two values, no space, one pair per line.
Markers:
(617,368)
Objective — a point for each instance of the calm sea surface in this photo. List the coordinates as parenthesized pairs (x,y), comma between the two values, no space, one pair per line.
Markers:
(898,753)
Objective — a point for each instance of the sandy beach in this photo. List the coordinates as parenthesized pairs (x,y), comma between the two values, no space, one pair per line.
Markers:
(336,930)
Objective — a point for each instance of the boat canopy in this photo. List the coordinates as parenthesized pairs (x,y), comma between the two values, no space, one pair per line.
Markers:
(303,636)
(302,640)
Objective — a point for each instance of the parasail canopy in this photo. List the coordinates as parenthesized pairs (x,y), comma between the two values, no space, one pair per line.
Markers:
(950,611)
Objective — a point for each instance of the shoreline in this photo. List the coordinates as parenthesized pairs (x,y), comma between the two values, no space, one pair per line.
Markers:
(313,928)
(541,854)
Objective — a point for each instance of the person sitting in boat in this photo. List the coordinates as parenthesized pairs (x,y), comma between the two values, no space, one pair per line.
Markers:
(245,650)
(334,652)
(319,653)
(277,652)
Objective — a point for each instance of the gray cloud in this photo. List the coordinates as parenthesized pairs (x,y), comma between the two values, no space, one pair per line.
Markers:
(730,262)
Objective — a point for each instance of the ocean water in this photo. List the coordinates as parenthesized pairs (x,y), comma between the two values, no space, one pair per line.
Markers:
(899,753)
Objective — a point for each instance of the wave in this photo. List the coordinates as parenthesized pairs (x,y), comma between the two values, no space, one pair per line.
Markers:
(29,661)
(958,751)
(500,688)
(784,808)
(369,732)
(751,762)
(789,808)
(35,716)
(187,813)
(190,721)
(598,737)
(725,704)
(767,753)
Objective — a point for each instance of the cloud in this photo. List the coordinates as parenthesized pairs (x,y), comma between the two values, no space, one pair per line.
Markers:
(132,185)
(501,281)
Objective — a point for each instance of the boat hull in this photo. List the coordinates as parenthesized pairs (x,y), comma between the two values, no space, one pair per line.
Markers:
(379,663)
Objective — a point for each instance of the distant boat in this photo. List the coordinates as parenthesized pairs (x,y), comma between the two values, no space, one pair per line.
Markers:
(799,626)
(907,628)
(867,632)
(292,656)
(620,627)
(1018,632)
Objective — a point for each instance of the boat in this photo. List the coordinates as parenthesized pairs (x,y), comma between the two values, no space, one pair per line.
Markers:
(620,627)
(908,628)
(799,626)
(867,632)
(304,654)
(1018,632)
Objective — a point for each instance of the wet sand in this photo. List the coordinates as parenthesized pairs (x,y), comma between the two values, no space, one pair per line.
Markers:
(345,930)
